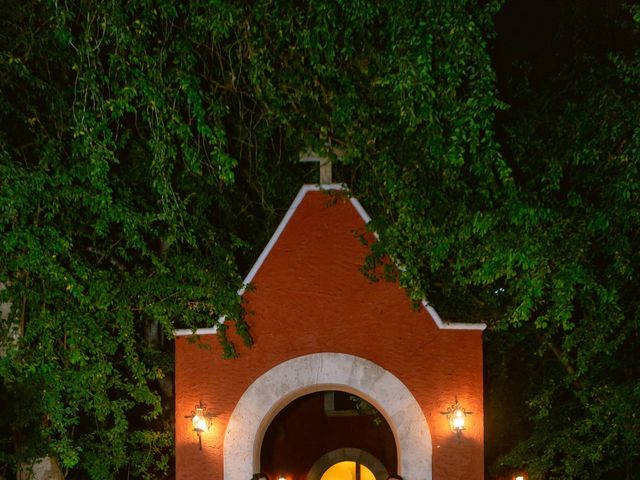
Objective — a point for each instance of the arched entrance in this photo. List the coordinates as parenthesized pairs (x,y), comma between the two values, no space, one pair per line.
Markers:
(335,457)
(272,391)
(328,429)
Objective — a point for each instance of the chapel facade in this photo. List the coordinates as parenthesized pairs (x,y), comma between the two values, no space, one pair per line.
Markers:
(344,373)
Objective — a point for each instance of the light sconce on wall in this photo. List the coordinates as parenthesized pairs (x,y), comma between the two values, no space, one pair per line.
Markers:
(200,420)
(456,415)
(282,477)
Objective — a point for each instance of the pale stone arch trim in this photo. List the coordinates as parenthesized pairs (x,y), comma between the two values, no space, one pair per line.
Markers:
(275,389)
(344,455)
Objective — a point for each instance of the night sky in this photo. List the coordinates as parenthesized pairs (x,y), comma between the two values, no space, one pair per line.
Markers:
(547,35)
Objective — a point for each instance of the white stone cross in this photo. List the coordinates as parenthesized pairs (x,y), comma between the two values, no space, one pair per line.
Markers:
(325,165)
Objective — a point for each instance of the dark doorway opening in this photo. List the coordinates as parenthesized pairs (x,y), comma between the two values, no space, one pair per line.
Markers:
(326,427)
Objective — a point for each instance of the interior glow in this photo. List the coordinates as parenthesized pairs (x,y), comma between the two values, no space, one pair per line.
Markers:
(458,420)
(199,421)
(347,471)
(520,477)
(201,425)
(195,420)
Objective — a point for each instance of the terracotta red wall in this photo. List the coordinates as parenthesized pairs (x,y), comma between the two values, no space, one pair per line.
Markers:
(310,297)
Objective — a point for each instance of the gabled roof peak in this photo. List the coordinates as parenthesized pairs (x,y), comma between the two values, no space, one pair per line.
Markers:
(275,237)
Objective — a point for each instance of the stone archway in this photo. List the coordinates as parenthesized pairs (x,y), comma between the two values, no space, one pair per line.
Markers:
(269,393)
(342,454)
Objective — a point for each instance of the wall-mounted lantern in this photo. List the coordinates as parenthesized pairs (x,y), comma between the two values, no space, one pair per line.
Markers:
(282,477)
(200,420)
(456,415)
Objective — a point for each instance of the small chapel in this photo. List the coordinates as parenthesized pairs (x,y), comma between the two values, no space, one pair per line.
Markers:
(346,379)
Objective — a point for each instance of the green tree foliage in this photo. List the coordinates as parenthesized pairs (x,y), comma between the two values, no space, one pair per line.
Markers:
(148,149)
(573,143)
(113,205)
(146,145)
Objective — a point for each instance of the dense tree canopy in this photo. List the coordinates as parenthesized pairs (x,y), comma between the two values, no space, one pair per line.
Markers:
(148,149)
(572,140)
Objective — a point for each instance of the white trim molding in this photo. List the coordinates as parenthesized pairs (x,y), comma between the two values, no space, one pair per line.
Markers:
(448,325)
(278,387)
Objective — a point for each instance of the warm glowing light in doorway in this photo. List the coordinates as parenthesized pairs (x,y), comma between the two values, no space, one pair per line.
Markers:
(347,471)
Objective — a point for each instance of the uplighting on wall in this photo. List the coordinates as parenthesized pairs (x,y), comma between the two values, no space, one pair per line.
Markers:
(200,420)
(456,415)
